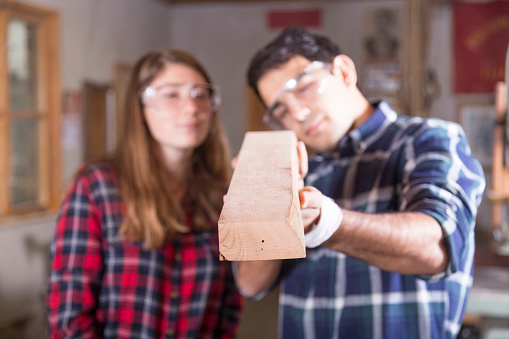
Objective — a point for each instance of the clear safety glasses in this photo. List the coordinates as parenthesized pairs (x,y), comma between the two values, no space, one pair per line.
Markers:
(173,97)
(302,90)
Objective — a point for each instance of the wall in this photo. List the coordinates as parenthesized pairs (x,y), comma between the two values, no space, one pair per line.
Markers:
(225,37)
(94,35)
(97,34)
(23,267)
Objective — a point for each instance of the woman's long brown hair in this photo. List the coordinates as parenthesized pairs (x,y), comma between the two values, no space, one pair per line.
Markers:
(152,211)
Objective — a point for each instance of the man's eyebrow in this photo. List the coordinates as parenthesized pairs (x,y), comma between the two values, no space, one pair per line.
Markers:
(275,105)
(294,80)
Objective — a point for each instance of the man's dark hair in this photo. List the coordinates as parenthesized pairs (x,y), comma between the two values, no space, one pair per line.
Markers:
(291,42)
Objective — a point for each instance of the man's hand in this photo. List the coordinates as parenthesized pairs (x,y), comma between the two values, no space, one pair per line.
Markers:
(321,216)
(303,162)
(310,198)
(310,204)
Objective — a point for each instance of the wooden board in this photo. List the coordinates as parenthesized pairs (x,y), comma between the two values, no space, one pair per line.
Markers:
(94,120)
(499,193)
(261,217)
(254,112)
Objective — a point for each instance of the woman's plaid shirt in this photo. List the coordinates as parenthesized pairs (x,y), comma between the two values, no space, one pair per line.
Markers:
(102,287)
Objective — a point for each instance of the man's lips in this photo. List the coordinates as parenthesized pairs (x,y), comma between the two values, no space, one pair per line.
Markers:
(312,126)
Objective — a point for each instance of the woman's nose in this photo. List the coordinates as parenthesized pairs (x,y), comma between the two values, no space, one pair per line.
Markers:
(189,104)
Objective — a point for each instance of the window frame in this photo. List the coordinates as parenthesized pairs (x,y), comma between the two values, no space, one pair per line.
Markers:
(47,113)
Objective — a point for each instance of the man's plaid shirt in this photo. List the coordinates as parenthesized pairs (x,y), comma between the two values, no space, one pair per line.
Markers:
(102,287)
(389,164)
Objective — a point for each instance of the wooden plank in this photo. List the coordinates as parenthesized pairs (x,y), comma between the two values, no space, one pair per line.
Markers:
(255,111)
(121,76)
(42,58)
(94,121)
(25,9)
(237,1)
(417,24)
(4,123)
(498,193)
(55,110)
(261,217)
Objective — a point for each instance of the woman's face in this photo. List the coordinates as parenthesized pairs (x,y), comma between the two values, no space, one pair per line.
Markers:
(177,116)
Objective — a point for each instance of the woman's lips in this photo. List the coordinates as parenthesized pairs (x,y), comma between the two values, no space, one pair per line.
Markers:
(190,126)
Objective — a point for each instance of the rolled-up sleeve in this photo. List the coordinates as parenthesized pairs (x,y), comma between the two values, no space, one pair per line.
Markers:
(444,180)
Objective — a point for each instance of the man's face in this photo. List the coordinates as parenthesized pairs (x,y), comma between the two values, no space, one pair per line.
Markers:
(321,117)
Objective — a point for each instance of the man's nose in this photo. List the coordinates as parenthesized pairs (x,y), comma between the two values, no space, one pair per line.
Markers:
(298,110)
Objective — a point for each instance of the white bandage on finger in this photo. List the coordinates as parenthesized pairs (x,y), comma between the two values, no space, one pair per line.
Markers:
(330,219)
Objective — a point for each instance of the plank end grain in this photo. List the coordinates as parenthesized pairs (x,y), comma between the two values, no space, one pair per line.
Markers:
(261,219)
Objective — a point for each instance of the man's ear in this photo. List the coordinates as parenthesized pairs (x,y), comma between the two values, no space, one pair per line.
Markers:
(344,67)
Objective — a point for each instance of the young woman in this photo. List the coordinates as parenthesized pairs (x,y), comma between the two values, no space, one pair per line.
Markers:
(135,251)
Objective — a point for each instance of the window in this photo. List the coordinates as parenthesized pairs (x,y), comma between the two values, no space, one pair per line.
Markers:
(29,110)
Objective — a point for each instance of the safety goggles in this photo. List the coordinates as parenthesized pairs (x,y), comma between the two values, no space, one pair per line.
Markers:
(303,90)
(173,97)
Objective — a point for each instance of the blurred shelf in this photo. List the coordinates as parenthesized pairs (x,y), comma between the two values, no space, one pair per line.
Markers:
(489,296)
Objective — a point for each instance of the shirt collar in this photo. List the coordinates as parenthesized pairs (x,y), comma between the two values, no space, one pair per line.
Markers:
(358,139)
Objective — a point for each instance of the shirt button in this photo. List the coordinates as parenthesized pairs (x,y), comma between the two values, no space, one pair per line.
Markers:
(178,256)
(174,294)
(169,331)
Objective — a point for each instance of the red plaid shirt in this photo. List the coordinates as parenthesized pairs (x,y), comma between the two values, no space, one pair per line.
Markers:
(102,287)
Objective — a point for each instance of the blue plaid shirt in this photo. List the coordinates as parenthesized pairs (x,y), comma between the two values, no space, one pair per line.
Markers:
(389,164)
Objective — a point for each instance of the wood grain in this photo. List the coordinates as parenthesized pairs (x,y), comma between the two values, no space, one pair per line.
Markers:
(261,217)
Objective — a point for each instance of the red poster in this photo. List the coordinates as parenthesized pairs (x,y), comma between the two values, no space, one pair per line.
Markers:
(481,37)
(309,18)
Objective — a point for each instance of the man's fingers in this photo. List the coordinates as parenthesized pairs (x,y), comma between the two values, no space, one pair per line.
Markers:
(310,197)
(310,202)
(233,163)
(303,159)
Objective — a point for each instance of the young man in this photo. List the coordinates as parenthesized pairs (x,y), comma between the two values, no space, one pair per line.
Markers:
(389,210)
